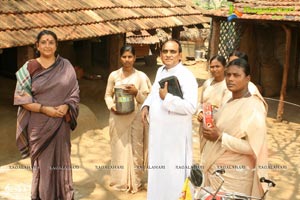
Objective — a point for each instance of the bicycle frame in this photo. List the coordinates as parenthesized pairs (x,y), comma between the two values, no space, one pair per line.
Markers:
(208,194)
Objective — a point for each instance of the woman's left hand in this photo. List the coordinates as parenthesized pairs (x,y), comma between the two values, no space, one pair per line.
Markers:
(211,133)
(62,109)
(131,89)
(200,117)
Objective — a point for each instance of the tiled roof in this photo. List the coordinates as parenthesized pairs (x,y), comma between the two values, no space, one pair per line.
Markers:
(142,37)
(20,21)
(274,10)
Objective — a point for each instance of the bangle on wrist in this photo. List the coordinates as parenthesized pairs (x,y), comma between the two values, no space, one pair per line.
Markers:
(40,110)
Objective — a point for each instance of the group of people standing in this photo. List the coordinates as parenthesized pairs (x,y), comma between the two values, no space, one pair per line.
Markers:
(156,136)
(169,118)
(236,141)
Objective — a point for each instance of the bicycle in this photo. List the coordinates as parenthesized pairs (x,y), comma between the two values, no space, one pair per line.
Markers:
(207,193)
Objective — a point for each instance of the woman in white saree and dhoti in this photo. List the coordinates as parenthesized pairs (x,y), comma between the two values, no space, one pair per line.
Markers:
(127,130)
(238,140)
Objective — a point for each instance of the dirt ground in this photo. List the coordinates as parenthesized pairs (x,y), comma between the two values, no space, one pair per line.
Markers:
(90,145)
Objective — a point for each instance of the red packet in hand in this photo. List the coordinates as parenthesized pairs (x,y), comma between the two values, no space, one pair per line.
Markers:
(207,115)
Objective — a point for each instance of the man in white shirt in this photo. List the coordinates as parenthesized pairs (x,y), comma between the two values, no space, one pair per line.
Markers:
(170,126)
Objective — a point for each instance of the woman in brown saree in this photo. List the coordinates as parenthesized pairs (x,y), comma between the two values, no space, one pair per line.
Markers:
(127,130)
(47,94)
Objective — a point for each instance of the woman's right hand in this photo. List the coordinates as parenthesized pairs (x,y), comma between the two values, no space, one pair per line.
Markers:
(131,89)
(200,117)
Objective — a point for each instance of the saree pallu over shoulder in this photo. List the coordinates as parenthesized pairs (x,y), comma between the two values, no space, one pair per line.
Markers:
(21,133)
(23,80)
(23,95)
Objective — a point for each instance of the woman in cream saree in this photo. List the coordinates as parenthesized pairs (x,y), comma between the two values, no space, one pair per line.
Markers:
(238,140)
(126,130)
(214,91)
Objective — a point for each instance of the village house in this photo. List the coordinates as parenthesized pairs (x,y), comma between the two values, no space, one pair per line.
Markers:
(89,32)
(268,31)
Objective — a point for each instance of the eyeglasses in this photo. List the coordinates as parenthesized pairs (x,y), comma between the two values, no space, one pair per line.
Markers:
(171,51)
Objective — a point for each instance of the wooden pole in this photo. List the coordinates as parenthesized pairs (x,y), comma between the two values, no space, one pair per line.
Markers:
(286,67)
(115,42)
(176,32)
(215,37)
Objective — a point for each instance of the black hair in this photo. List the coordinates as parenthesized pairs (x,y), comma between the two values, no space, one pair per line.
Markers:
(42,33)
(173,40)
(241,63)
(221,59)
(125,48)
(46,32)
(239,54)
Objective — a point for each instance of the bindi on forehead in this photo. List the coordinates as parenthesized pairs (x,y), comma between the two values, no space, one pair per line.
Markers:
(47,40)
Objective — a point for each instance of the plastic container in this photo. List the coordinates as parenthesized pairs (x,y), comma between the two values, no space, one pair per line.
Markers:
(198,54)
